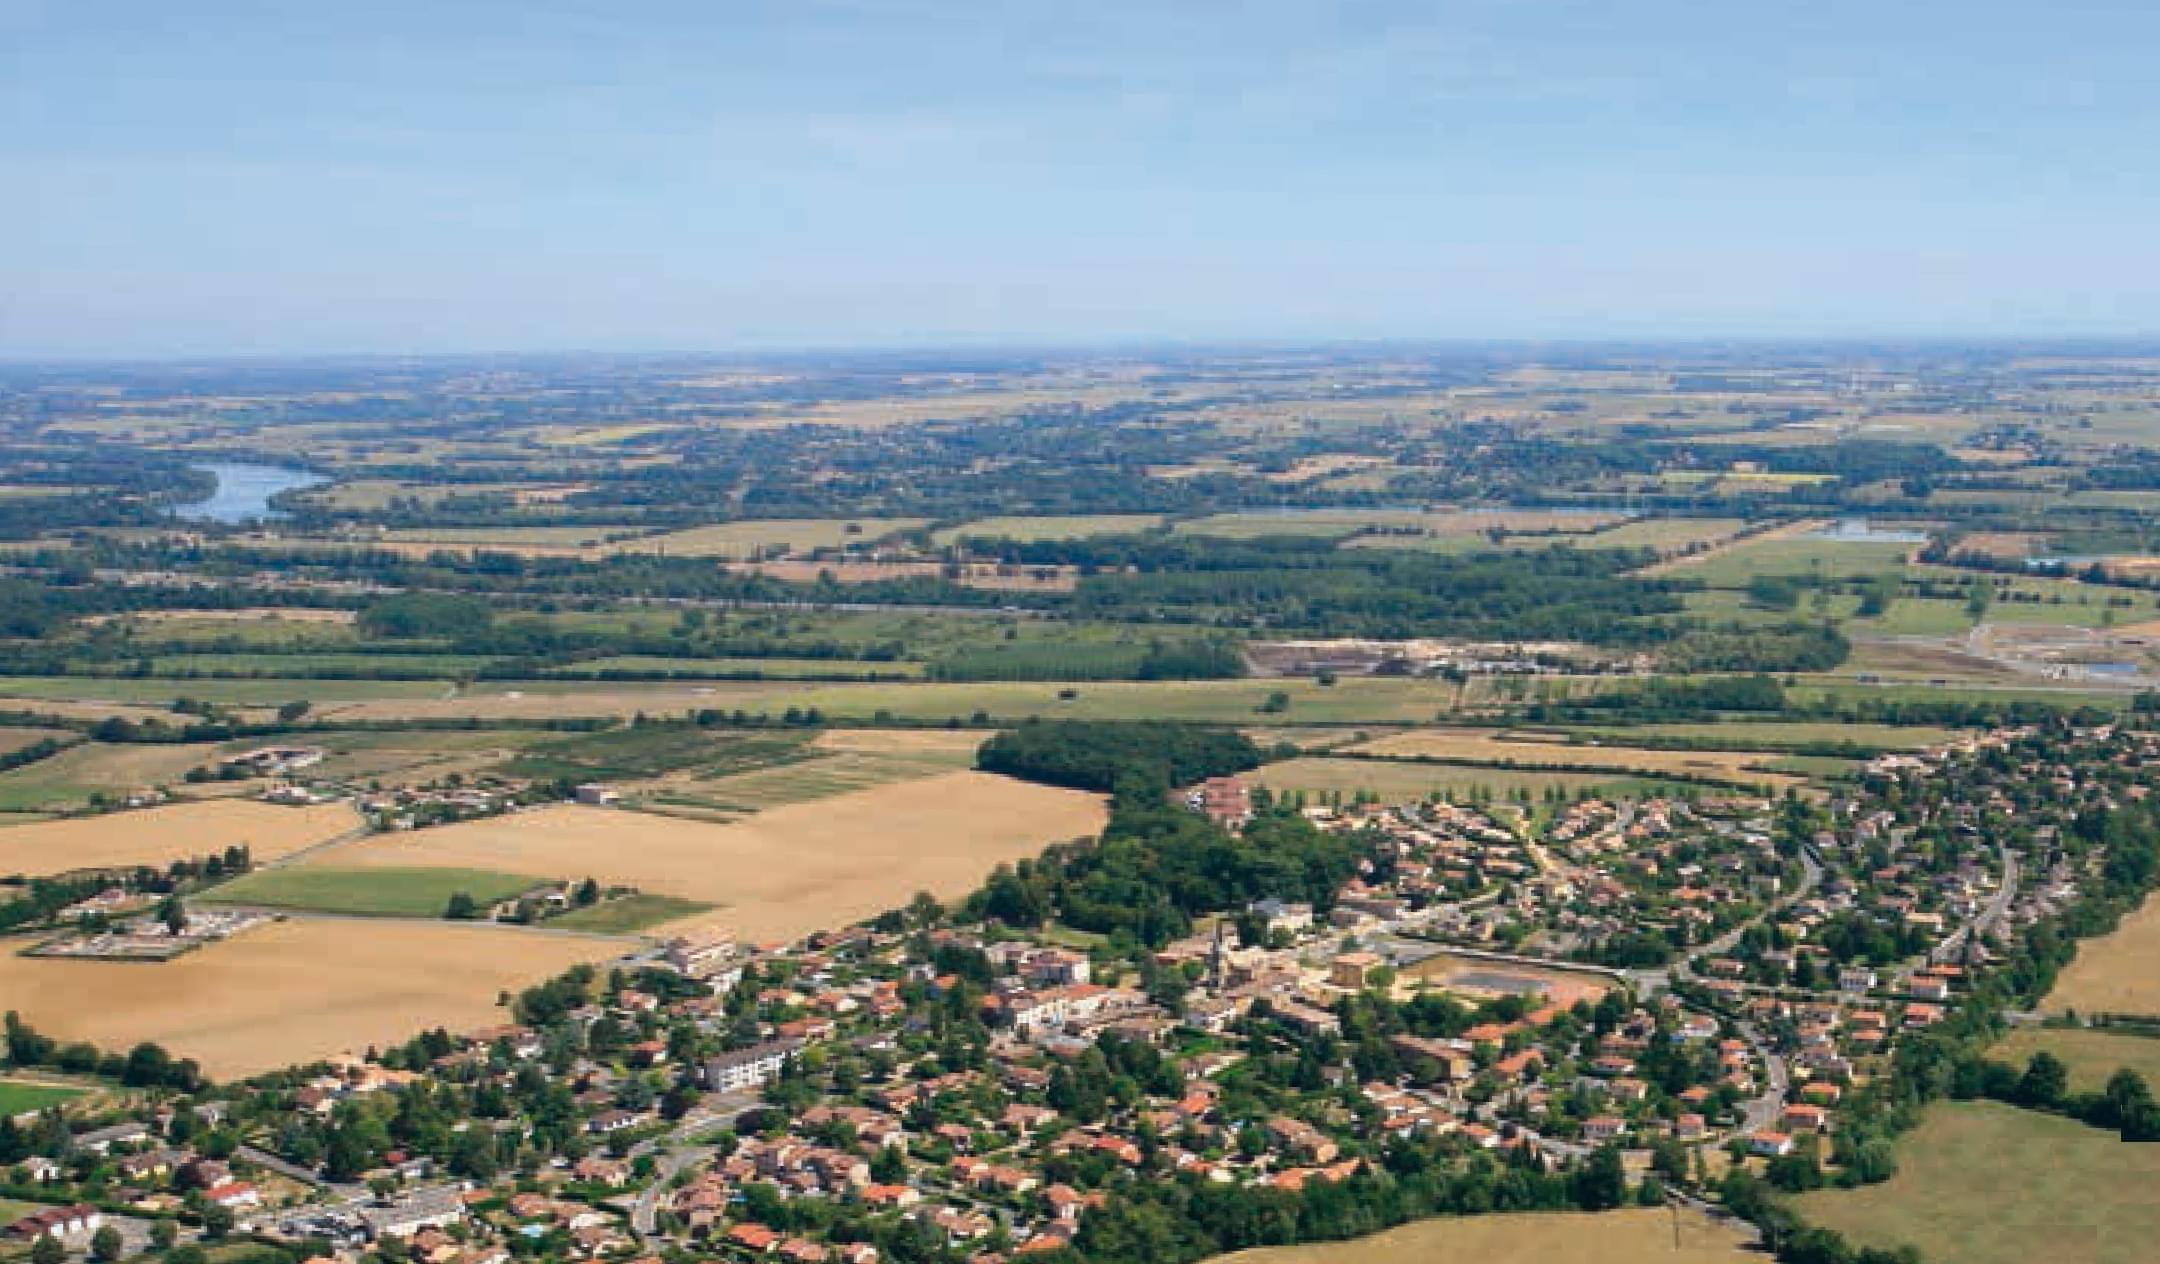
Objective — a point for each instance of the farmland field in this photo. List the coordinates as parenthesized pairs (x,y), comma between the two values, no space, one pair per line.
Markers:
(293,991)
(782,873)
(251,692)
(628,914)
(369,892)
(2118,973)
(739,668)
(1797,555)
(1666,535)
(1776,734)
(2091,1055)
(821,777)
(1350,701)
(68,779)
(161,835)
(1050,528)
(1636,1236)
(2083,1197)
(12,740)
(1486,747)
(651,750)
(1439,523)
(21,1097)
(1398,782)
(795,535)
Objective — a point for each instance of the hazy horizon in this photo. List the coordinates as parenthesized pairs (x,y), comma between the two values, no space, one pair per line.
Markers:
(245,179)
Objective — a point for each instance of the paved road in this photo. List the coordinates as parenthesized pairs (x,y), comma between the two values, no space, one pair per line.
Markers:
(677,1154)
(293,1171)
(645,1212)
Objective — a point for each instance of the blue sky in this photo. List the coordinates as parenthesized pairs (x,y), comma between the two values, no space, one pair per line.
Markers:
(255,178)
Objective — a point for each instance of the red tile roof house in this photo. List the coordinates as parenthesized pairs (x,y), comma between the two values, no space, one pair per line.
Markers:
(1770,1145)
(753,1237)
(233,1194)
(57,1222)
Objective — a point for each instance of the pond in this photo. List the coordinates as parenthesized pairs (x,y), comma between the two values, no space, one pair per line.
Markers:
(244,491)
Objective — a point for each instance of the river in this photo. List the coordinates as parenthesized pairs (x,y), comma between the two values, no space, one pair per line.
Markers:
(244,491)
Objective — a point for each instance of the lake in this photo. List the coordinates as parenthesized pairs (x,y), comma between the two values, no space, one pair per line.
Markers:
(244,491)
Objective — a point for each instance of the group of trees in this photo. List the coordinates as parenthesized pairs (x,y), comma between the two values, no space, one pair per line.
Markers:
(1104,756)
(145,1066)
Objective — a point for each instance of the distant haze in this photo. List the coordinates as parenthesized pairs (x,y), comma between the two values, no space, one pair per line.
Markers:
(230,177)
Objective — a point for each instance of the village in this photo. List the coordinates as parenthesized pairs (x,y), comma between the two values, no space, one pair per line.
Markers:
(1691,988)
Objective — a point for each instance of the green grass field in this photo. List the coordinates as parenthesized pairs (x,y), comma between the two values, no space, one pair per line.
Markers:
(20,1098)
(1071,527)
(2081,1196)
(67,781)
(266,692)
(628,915)
(726,668)
(1796,556)
(385,892)
(253,663)
(1917,616)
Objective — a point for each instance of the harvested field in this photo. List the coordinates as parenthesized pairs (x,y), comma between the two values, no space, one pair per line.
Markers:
(12,740)
(831,773)
(1438,523)
(181,831)
(1403,782)
(1485,747)
(251,614)
(1692,564)
(71,709)
(1777,735)
(901,741)
(1072,527)
(2083,1197)
(64,690)
(782,873)
(1635,1236)
(1914,660)
(974,575)
(792,535)
(294,991)
(1666,535)
(2118,973)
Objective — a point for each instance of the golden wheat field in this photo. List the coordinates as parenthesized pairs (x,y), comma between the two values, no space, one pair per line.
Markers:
(1485,747)
(293,991)
(2114,974)
(180,831)
(786,871)
(1636,1236)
